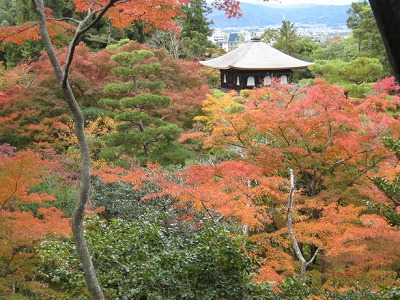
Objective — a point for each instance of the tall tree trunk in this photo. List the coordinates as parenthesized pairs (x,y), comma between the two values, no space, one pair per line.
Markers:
(83,198)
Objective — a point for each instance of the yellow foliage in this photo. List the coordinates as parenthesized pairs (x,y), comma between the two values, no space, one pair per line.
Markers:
(101,126)
(214,109)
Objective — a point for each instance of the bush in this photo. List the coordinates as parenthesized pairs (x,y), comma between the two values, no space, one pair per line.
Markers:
(357,90)
(143,260)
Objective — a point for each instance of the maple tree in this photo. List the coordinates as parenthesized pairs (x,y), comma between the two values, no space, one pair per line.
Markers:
(239,192)
(21,229)
(352,243)
(153,13)
(15,84)
(233,191)
(317,131)
(95,11)
(29,122)
(330,140)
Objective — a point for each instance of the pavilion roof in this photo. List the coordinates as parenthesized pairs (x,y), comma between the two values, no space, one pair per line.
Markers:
(255,55)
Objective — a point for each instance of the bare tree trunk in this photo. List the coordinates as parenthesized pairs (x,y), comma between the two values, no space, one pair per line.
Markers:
(289,224)
(83,198)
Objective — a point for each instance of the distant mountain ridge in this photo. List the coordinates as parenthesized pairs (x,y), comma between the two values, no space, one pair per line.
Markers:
(255,14)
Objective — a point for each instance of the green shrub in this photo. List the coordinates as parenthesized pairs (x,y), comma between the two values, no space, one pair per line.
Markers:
(144,260)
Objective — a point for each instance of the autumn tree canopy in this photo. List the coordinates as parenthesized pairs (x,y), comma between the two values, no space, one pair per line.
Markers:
(205,229)
(22,229)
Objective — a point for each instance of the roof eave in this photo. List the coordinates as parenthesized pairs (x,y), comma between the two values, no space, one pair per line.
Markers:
(264,69)
(257,69)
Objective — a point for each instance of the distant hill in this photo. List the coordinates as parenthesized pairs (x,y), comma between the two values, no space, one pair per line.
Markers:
(261,15)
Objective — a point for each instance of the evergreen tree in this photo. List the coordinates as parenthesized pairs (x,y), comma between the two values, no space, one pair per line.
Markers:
(195,29)
(141,132)
(391,188)
(8,11)
(288,41)
(364,29)
(195,19)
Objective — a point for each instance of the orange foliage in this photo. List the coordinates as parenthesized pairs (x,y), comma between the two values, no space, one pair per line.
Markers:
(30,31)
(316,130)
(18,174)
(20,34)
(233,189)
(158,13)
(353,242)
(21,231)
(56,133)
(112,174)
(122,13)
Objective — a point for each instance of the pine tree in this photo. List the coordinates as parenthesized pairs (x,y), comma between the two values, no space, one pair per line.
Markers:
(140,132)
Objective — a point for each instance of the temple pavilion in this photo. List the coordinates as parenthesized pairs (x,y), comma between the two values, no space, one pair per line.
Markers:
(254,64)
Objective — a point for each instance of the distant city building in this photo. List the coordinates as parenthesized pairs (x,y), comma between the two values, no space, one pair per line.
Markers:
(254,64)
(217,37)
(318,34)
(228,44)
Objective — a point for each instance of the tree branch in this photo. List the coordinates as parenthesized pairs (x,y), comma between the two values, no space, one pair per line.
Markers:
(342,161)
(22,30)
(64,19)
(289,224)
(313,257)
(83,198)
(292,96)
(82,28)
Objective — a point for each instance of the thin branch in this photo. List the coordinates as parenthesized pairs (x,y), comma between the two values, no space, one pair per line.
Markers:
(238,134)
(283,135)
(64,19)
(207,211)
(314,257)
(82,28)
(342,161)
(292,96)
(20,31)
(237,145)
(365,170)
(8,263)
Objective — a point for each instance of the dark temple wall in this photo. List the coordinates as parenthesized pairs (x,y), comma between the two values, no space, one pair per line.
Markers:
(387,15)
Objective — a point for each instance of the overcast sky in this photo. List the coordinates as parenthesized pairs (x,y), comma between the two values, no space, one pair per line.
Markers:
(325,2)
